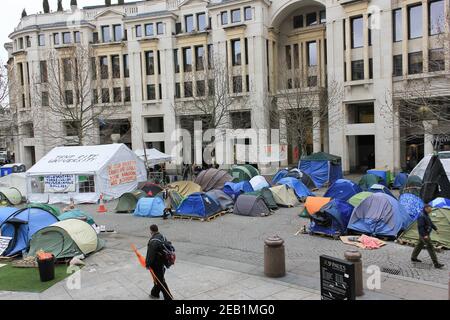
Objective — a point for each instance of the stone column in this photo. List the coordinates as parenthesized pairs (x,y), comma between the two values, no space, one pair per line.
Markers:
(317,133)
(425,35)
(428,136)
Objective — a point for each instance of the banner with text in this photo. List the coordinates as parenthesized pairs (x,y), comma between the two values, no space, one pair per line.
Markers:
(122,173)
(60,184)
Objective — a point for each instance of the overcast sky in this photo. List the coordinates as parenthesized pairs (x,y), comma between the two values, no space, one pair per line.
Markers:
(10,15)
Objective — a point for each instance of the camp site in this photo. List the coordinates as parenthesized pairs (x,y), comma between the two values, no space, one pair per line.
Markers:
(80,205)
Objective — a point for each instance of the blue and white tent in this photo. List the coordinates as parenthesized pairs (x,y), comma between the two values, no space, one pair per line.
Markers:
(300,189)
(379,188)
(343,189)
(259,183)
(280,175)
(332,219)
(150,207)
(234,190)
(440,203)
(198,205)
(412,204)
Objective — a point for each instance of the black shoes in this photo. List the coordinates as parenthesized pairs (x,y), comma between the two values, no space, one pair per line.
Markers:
(439,266)
(415,260)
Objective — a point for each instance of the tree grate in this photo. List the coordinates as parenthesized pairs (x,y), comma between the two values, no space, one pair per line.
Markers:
(392,271)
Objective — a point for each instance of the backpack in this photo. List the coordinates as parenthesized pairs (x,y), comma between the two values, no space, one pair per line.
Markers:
(167,252)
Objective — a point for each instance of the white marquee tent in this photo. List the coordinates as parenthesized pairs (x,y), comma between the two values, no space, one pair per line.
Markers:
(84,173)
(153,156)
(420,169)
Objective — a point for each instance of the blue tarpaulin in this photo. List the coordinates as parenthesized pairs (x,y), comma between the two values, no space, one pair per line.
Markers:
(332,219)
(150,207)
(412,204)
(234,190)
(322,167)
(343,189)
(440,203)
(300,189)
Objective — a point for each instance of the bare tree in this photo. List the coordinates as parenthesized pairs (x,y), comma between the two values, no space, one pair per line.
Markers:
(68,87)
(7,111)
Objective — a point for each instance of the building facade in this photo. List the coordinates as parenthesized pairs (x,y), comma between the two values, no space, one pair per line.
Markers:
(151,57)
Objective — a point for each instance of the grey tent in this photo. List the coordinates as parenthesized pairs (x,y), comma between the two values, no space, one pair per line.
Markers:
(267,196)
(435,181)
(251,206)
(213,179)
(224,200)
(305,178)
(128,201)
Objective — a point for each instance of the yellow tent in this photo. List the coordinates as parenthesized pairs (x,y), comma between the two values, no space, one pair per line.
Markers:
(284,196)
(185,188)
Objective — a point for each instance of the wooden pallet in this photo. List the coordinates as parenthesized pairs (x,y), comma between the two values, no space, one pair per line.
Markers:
(209,219)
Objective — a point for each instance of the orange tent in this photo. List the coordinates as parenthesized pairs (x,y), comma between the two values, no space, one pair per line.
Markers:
(314,204)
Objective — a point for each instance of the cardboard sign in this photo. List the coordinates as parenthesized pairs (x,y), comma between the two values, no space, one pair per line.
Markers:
(337,279)
(122,173)
(4,244)
(60,184)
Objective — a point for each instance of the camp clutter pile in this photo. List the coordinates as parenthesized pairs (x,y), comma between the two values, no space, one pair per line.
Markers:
(370,208)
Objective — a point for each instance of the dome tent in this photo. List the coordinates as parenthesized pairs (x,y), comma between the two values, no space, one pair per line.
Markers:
(440,203)
(379,188)
(234,190)
(128,201)
(400,181)
(224,200)
(435,180)
(332,219)
(358,198)
(412,204)
(323,168)
(66,239)
(185,188)
(212,179)
(77,214)
(198,205)
(300,189)
(150,207)
(314,204)
(413,185)
(267,196)
(303,177)
(368,180)
(151,189)
(251,206)
(243,173)
(280,175)
(284,196)
(11,196)
(342,189)
(422,166)
(259,182)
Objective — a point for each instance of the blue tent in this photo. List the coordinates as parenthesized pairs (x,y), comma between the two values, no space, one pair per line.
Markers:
(77,214)
(280,175)
(412,204)
(21,225)
(234,190)
(438,203)
(400,181)
(343,189)
(5,213)
(379,188)
(300,189)
(322,167)
(380,215)
(150,207)
(332,219)
(198,205)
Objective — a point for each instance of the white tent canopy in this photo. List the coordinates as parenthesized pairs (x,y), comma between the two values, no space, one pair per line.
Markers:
(420,169)
(153,156)
(84,173)
(15,180)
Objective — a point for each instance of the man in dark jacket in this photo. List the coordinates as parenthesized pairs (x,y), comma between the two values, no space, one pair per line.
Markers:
(426,226)
(155,262)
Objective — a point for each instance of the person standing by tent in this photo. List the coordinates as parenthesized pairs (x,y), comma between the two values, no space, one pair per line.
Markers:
(155,261)
(426,226)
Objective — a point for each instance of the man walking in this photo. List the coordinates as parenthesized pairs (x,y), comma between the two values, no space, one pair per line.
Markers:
(156,261)
(426,226)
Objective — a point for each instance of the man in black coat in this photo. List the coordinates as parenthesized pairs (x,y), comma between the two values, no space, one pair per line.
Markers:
(426,226)
(155,262)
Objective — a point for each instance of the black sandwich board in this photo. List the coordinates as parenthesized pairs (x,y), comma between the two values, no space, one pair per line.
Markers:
(337,279)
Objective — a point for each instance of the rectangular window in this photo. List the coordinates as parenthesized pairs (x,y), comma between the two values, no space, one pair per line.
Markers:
(370,68)
(248,13)
(298,22)
(360,113)
(236,15)
(199,58)
(358,70)
(155,124)
(187,59)
(45,99)
(21,43)
(436,18)
(189,23)
(188,90)
(126,66)
(106,34)
(237,84)
(201,89)
(296,56)
(312,53)
(210,56)
(236,52)
(436,60)
(138,31)
(201,22)
(247,82)
(397,69)
(43,71)
(117,95)
(69,97)
(312,82)
(67,69)
(158,58)
(104,67)
(77,36)
(224,17)
(87,184)
(93,68)
(56,39)
(41,40)
(323,17)
(415,62)
(176,61)
(115,62)
(127,94)
(357,32)
(160,28)
(24,102)
(289,57)
(95,37)
(21,75)
(151,92)
(149,30)
(118,32)
(369,31)
(72,128)
(211,87)
(94,96)
(246,50)
(177,90)
(150,63)
(105,95)
(397,25)
(415,21)
(66,38)
(311,19)
(28,41)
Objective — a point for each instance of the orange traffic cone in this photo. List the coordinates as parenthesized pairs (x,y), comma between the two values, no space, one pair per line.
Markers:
(102,207)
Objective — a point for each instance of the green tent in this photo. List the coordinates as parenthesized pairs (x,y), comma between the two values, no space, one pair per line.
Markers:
(441,218)
(243,173)
(66,239)
(77,214)
(10,196)
(267,196)
(358,198)
(52,209)
(128,201)
(323,156)
(413,185)
(369,180)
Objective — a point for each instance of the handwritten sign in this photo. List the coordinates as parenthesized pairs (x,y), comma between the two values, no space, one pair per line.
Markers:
(4,244)
(85,158)
(60,184)
(122,173)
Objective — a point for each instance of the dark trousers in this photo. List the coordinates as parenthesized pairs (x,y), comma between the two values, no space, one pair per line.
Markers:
(158,288)
(425,243)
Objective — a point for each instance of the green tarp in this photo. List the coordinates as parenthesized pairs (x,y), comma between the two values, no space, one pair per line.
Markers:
(323,156)
(441,218)
(243,173)
(358,198)
(52,209)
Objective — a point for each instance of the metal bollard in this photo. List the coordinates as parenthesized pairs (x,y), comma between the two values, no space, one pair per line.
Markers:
(354,256)
(274,257)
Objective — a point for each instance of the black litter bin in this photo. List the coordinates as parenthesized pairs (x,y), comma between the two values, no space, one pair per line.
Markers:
(47,269)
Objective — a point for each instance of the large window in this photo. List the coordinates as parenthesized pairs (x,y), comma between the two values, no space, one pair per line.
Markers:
(296,56)
(117,94)
(288,57)
(66,38)
(105,95)
(118,33)
(224,17)
(360,113)
(187,59)
(149,30)
(298,22)
(77,36)
(436,60)
(236,15)
(93,68)
(201,22)
(106,34)
(138,31)
(436,18)
(45,99)
(150,63)
(43,71)
(397,25)
(176,61)
(415,21)
(201,89)
(126,66)
(237,84)
(397,69)
(155,124)
(357,32)
(188,92)
(311,19)
(127,94)
(71,128)
(115,66)
(67,69)
(236,52)
(248,13)
(56,39)
(104,67)
(86,184)
(199,58)
(358,70)
(151,92)
(415,62)
(189,23)
(41,40)
(312,54)
(160,28)
(68,97)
